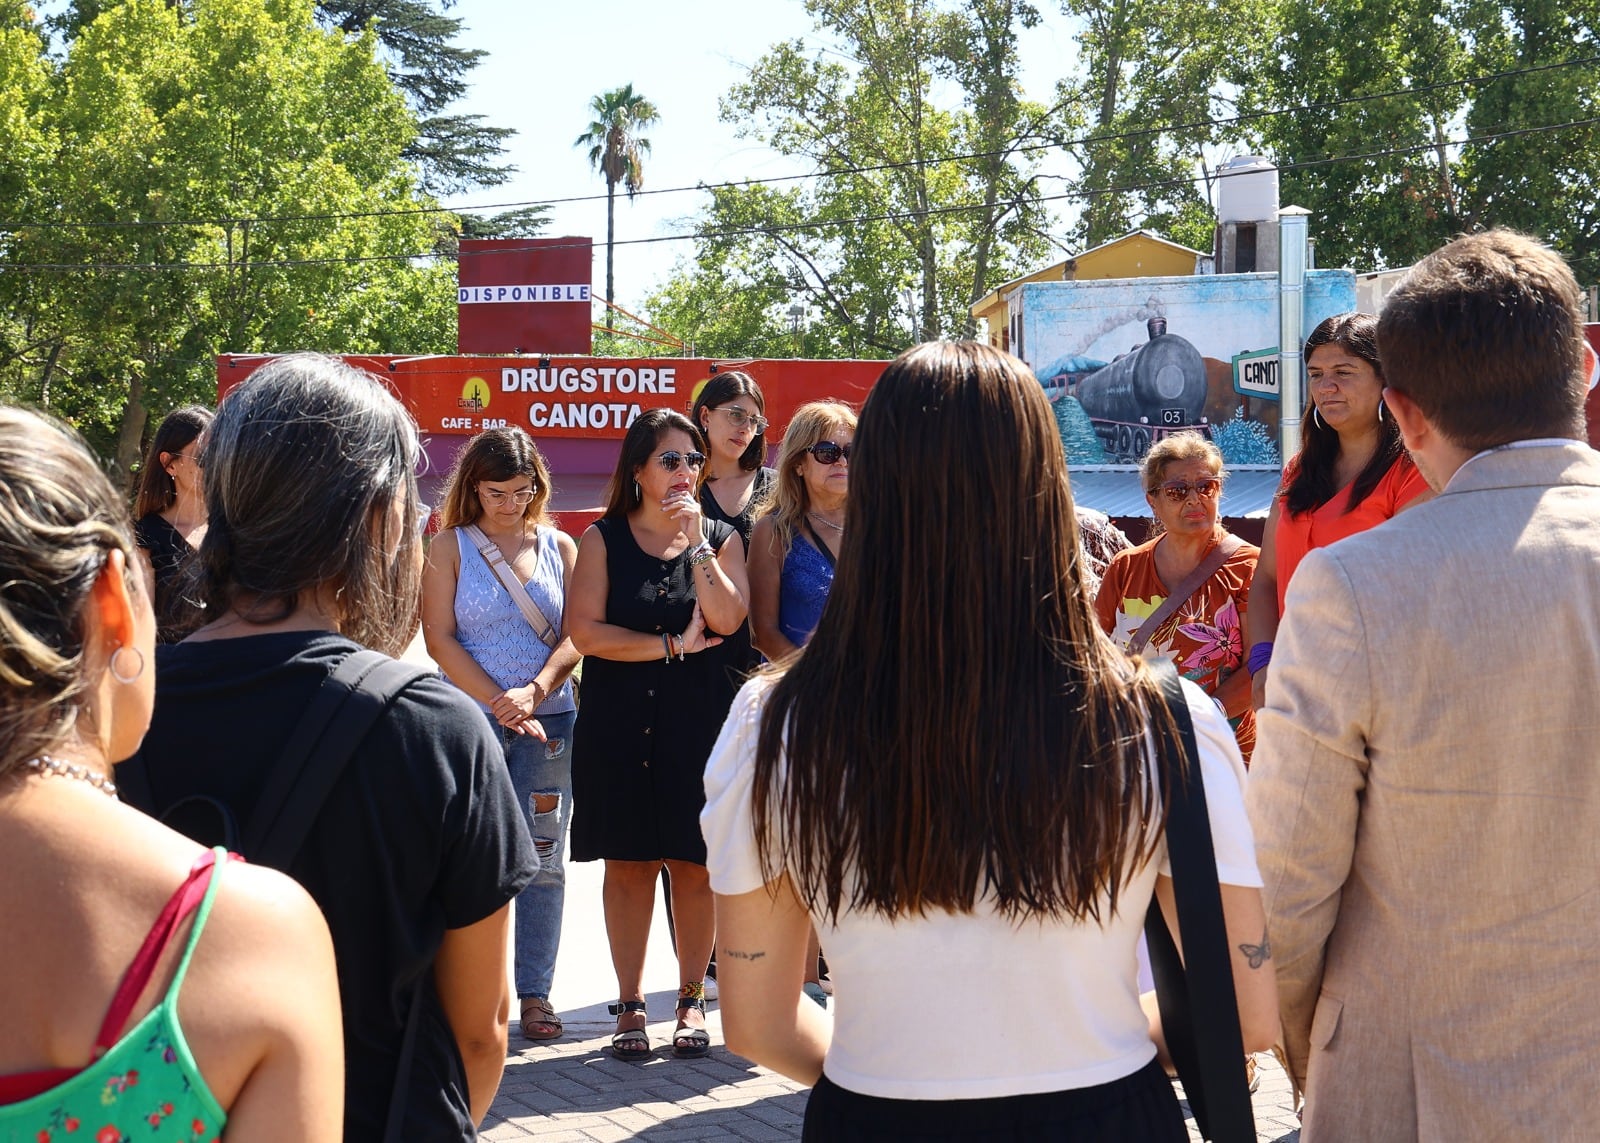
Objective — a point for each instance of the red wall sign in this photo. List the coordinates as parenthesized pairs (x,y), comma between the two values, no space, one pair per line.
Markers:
(1592,365)
(524,295)
(581,397)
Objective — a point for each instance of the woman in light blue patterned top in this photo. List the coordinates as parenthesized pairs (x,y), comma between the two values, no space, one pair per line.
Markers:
(483,642)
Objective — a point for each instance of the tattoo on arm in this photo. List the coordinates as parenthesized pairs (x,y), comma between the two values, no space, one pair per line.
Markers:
(738,954)
(1257,955)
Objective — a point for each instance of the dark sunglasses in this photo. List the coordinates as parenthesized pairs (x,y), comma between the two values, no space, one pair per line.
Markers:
(1178,491)
(827,452)
(672,458)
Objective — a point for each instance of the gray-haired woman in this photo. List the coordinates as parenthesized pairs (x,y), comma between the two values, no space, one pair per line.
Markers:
(314,551)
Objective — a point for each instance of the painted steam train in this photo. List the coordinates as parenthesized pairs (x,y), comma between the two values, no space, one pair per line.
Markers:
(1155,389)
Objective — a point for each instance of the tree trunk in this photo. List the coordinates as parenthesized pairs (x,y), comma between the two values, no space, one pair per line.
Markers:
(611,230)
(130,434)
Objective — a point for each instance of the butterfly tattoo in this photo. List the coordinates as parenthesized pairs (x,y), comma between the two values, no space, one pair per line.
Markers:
(1257,955)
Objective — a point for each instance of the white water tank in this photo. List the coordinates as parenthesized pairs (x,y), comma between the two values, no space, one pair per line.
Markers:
(1247,190)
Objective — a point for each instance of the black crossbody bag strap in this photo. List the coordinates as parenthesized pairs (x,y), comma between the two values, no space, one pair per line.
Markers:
(1199,1009)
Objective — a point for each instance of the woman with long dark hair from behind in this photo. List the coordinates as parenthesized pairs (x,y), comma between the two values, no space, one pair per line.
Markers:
(315,552)
(1352,473)
(169,513)
(656,585)
(225,1021)
(956,772)
(517,671)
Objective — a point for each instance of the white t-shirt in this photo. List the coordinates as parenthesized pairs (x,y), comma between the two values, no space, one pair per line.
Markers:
(952,1006)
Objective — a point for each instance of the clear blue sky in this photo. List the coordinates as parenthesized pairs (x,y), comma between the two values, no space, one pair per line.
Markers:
(547,59)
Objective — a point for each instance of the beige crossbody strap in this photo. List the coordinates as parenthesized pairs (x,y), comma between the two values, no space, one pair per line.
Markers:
(1219,555)
(491,554)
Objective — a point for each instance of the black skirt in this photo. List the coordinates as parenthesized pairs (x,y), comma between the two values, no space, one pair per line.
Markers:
(1140,1108)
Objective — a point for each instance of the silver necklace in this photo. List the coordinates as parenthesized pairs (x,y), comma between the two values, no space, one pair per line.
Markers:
(46,765)
(826,523)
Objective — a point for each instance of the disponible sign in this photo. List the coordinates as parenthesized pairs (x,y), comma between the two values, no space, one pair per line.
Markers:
(524,295)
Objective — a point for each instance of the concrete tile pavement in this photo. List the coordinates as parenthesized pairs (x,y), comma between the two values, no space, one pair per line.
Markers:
(572,1091)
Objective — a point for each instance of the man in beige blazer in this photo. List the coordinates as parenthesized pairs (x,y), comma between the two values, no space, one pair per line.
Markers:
(1426,784)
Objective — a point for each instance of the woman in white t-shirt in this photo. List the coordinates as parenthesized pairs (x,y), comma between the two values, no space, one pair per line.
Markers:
(956,775)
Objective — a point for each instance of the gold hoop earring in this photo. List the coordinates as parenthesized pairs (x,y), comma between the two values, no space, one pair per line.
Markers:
(122,676)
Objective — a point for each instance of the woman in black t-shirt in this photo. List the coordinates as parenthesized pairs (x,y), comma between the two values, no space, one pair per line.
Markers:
(170,513)
(314,550)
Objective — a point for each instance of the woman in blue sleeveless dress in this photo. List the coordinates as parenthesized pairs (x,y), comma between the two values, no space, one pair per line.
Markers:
(799,530)
(479,636)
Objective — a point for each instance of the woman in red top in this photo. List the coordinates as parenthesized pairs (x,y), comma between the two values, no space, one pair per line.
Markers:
(1351,473)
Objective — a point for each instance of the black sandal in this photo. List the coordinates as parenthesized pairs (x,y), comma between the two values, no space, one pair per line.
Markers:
(632,1044)
(691,1043)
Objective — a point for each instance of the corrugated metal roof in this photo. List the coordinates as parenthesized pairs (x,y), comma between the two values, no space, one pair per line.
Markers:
(1115,489)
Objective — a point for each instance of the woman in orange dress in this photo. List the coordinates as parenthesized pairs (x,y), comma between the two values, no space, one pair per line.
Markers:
(1202,632)
(1351,473)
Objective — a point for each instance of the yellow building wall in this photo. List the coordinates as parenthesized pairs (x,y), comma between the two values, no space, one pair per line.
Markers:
(1137,256)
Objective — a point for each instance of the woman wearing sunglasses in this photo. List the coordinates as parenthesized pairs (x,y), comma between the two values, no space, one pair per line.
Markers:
(1183,595)
(799,533)
(1352,472)
(515,663)
(656,584)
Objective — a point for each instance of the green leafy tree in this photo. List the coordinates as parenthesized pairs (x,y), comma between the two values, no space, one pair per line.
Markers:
(452,151)
(893,237)
(1146,64)
(617,147)
(203,200)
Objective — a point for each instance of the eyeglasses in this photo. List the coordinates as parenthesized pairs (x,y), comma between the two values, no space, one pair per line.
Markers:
(1178,491)
(189,456)
(498,499)
(740,418)
(671,459)
(827,452)
(424,514)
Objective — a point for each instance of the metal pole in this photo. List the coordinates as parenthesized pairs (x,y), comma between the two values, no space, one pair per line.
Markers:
(1292,234)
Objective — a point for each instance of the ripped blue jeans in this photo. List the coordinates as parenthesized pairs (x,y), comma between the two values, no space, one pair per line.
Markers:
(541,770)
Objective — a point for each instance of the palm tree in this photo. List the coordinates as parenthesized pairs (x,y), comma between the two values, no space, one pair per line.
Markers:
(616,150)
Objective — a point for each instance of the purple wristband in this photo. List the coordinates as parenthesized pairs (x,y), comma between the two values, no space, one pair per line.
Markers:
(1260,656)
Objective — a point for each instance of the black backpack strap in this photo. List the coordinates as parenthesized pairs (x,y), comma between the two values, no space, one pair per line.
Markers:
(1199,1009)
(339,716)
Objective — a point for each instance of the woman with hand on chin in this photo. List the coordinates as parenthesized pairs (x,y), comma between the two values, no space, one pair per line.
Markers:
(1352,473)
(655,585)
(518,673)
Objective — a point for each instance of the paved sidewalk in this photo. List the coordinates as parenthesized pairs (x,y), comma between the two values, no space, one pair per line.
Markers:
(572,1091)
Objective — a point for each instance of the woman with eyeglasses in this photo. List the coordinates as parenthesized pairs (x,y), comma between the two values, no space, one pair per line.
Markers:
(656,584)
(801,528)
(1183,595)
(1352,473)
(170,513)
(515,663)
(730,412)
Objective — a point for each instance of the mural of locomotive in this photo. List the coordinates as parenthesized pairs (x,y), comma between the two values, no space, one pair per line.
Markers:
(1155,389)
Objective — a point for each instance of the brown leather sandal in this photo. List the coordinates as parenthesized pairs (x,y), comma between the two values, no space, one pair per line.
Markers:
(539,1020)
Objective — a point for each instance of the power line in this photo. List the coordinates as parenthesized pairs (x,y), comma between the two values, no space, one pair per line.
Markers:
(815,224)
(875,168)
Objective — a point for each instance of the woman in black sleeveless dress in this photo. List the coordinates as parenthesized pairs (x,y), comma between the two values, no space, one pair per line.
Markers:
(654,585)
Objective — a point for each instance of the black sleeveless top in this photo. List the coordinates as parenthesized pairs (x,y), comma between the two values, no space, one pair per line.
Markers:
(737,657)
